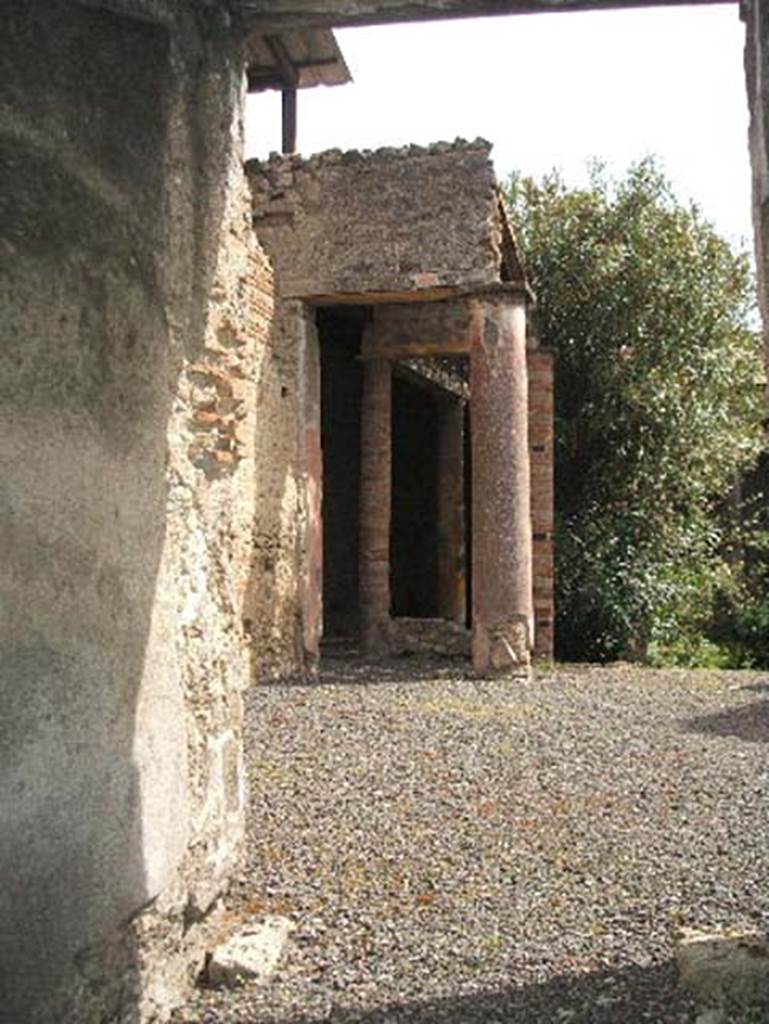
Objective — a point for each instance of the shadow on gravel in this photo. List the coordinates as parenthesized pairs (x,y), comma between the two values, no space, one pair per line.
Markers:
(348,670)
(750,722)
(633,995)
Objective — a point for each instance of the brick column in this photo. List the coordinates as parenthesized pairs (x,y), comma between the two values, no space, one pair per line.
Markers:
(451,518)
(503,626)
(375,506)
(540,363)
(311,455)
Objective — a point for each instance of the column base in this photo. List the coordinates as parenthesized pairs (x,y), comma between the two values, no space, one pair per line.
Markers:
(502,649)
(375,642)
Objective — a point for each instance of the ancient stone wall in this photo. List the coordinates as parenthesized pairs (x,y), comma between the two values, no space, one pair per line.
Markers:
(134,303)
(282,602)
(392,221)
(400,224)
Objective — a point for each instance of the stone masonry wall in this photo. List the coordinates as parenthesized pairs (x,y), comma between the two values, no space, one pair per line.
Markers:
(135,304)
(392,221)
(279,598)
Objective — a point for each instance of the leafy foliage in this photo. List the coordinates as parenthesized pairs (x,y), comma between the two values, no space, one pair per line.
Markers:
(658,403)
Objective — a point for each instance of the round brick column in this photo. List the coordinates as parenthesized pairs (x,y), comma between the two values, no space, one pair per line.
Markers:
(503,620)
(451,512)
(375,506)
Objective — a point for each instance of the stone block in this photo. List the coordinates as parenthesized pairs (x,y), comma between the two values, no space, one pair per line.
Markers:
(249,956)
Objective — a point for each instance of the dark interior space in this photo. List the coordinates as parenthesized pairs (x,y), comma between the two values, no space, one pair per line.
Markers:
(468,490)
(414,544)
(340,329)
(415,461)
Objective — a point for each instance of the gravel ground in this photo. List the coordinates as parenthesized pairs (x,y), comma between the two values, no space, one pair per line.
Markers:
(453,850)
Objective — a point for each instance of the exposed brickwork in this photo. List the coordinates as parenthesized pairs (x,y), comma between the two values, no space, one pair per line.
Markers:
(452,580)
(375,506)
(541,370)
(282,499)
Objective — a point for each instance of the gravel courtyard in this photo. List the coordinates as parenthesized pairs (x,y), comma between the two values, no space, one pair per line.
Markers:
(457,851)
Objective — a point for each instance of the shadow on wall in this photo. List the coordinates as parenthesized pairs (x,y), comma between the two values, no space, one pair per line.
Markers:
(630,995)
(92,732)
(83,498)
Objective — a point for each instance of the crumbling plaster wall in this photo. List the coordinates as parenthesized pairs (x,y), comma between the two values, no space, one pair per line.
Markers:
(134,304)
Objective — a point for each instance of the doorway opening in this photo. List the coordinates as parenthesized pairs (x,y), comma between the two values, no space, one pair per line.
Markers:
(428,548)
(340,331)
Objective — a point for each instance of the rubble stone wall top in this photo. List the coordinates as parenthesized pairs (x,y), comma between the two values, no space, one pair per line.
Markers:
(393,221)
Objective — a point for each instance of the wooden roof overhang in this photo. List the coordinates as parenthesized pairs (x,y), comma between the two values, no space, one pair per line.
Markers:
(299,58)
(283,14)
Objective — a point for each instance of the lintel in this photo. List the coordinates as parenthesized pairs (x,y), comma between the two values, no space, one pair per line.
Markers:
(418,350)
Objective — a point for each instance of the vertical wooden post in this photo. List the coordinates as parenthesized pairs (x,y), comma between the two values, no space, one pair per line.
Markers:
(451,518)
(289,106)
(503,620)
(375,506)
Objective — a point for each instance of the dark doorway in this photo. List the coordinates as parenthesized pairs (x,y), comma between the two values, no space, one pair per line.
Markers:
(468,496)
(418,406)
(340,329)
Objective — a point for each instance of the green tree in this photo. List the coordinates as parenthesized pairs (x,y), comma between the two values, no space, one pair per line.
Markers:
(658,403)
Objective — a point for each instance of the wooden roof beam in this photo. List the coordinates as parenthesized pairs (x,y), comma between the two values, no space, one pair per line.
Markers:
(283,14)
(288,72)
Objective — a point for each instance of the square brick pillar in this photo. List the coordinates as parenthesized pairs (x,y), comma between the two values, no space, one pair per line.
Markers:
(451,511)
(503,613)
(541,435)
(311,454)
(375,506)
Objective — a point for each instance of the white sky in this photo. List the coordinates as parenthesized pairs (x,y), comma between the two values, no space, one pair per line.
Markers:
(549,90)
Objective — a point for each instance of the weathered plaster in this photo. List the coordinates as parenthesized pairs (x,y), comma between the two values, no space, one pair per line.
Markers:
(129,299)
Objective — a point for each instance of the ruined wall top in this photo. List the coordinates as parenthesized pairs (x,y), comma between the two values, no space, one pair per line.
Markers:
(416,221)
